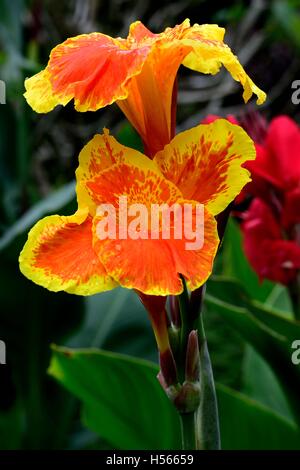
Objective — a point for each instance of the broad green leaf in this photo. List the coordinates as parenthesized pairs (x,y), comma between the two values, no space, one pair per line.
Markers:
(279,299)
(123,401)
(261,384)
(124,404)
(118,322)
(230,290)
(245,424)
(259,380)
(273,347)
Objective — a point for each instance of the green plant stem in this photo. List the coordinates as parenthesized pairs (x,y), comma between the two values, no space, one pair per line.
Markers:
(200,430)
(208,416)
(188,431)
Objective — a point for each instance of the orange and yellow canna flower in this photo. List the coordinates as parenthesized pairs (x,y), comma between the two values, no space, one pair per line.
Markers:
(201,165)
(138,73)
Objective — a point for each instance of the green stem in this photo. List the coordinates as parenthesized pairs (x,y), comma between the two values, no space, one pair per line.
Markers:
(208,416)
(201,429)
(188,431)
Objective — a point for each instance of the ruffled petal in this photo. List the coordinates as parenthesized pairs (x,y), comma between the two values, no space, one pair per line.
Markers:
(150,95)
(59,255)
(283,156)
(138,73)
(39,94)
(154,266)
(150,265)
(100,153)
(91,68)
(210,53)
(205,163)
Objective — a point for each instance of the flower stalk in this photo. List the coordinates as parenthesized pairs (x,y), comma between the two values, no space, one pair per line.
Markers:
(186,372)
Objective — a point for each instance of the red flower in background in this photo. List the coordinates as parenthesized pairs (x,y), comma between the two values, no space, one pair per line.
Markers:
(271,225)
(272,256)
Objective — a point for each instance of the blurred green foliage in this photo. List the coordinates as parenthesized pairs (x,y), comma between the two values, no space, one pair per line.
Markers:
(249,325)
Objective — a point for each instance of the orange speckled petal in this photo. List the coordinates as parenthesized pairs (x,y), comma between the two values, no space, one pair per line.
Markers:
(139,34)
(149,103)
(154,266)
(196,265)
(100,153)
(205,163)
(149,265)
(59,255)
(210,53)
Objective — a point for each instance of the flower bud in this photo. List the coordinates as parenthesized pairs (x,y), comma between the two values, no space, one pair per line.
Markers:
(192,366)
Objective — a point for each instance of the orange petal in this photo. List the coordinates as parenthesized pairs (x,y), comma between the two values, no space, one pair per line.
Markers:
(138,72)
(91,68)
(39,93)
(151,266)
(205,163)
(139,182)
(196,265)
(150,94)
(210,53)
(139,34)
(144,265)
(149,103)
(59,255)
(100,153)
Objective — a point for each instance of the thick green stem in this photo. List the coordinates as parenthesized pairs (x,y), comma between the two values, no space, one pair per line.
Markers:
(188,431)
(208,416)
(200,430)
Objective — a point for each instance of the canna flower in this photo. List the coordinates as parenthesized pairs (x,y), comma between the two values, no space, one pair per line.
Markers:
(138,73)
(201,165)
(276,171)
(271,255)
(271,225)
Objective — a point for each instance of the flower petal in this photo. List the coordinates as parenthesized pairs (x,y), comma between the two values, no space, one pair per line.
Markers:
(91,68)
(139,34)
(270,255)
(39,94)
(196,265)
(205,163)
(210,53)
(149,265)
(149,103)
(282,147)
(100,153)
(59,256)
(290,216)
(153,266)
(154,84)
